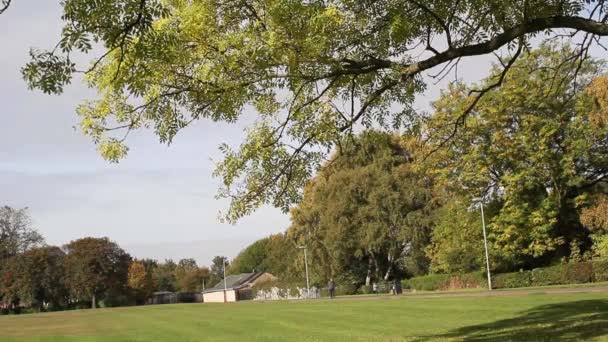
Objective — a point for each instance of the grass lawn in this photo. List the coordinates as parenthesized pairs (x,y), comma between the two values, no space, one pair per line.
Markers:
(536,317)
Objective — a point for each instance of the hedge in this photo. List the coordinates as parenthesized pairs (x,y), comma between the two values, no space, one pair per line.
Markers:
(563,274)
(435,282)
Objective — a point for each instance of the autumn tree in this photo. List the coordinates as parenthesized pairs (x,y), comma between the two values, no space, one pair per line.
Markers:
(140,281)
(189,276)
(532,148)
(595,218)
(95,267)
(312,70)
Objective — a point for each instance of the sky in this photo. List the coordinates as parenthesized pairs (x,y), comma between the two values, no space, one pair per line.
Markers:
(158,202)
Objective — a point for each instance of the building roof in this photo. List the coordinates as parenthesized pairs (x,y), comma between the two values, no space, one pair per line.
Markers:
(235,281)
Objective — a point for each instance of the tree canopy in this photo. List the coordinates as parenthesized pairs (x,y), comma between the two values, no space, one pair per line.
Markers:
(94,267)
(17,234)
(311,70)
(533,146)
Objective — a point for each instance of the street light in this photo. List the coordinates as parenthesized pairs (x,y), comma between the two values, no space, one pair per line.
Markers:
(306,268)
(224,264)
(485,241)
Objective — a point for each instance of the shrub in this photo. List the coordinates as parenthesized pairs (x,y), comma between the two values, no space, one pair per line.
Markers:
(365,289)
(431,282)
(547,276)
(346,289)
(469,280)
(577,273)
(600,270)
(512,280)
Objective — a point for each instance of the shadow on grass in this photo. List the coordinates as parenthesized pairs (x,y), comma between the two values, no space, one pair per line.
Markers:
(581,321)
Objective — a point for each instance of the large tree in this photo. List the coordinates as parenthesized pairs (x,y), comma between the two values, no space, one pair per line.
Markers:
(367,212)
(17,233)
(534,147)
(36,278)
(96,266)
(311,70)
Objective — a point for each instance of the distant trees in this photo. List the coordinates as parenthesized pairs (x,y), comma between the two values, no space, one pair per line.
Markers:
(163,275)
(17,234)
(88,271)
(189,276)
(96,267)
(37,277)
(140,281)
(217,268)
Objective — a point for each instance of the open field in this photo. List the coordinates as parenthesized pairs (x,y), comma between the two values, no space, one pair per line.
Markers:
(517,317)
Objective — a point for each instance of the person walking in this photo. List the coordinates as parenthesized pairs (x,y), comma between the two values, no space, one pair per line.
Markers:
(331,288)
(397,286)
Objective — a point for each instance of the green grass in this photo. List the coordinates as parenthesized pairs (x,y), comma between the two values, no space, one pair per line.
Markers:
(538,317)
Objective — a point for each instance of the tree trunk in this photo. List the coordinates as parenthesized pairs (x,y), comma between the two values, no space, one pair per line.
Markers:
(368,278)
(389,268)
(376,268)
(93,302)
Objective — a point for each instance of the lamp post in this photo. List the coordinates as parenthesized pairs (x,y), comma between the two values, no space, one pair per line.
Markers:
(306,268)
(224,264)
(485,241)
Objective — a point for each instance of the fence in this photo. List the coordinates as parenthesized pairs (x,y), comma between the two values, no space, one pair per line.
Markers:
(276,293)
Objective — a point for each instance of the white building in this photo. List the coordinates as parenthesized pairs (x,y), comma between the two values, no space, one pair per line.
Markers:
(237,287)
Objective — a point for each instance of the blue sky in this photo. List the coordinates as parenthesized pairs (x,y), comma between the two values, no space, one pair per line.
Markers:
(158,202)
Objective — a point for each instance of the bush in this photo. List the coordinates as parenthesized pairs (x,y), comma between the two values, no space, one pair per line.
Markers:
(578,273)
(469,280)
(366,289)
(431,282)
(544,276)
(564,274)
(346,289)
(600,270)
(436,282)
(512,280)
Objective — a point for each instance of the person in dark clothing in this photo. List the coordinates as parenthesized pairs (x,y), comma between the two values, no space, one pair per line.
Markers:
(331,287)
(397,286)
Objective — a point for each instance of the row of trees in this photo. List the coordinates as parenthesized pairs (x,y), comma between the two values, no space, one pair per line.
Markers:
(84,272)
(534,153)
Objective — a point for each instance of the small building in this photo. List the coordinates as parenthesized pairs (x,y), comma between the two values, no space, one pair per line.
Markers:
(237,287)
